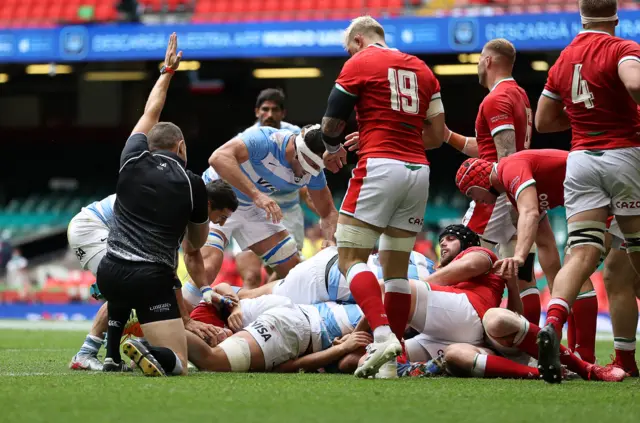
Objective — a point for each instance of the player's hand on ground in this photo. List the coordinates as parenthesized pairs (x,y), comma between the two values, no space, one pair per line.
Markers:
(235,320)
(507,268)
(356,340)
(352,141)
(171,59)
(270,206)
(334,162)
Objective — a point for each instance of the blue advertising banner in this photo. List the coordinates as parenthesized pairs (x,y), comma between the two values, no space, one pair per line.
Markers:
(319,38)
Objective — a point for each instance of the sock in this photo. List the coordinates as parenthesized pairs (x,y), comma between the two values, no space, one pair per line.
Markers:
(118,317)
(167,359)
(584,315)
(625,352)
(366,291)
(557,314)
(491,366)
(397,302)
(531,304)
(528,345)
(91,346)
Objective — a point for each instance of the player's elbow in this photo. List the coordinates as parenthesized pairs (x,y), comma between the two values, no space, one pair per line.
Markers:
(542,123)
(633,87)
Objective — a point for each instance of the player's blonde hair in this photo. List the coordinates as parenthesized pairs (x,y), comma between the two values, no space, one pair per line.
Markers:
(504,48)
(364,25)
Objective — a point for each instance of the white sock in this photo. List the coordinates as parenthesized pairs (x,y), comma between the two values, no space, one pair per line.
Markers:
(381,333)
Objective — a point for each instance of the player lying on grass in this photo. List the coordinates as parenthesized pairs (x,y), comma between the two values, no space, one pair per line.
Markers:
(511,341)
(318,279)
(276,335)
(87,235)
(532,181)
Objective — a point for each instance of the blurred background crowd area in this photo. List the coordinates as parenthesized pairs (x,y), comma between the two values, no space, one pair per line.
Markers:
(64,123)
(20,13)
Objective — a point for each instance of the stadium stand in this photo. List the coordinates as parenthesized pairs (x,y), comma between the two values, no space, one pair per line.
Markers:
(48,13)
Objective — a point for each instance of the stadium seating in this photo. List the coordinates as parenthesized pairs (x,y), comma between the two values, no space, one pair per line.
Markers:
(39,214)
(47,13)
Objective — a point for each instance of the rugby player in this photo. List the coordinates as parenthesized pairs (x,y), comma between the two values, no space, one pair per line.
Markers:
(600,107)
(514,338)
(257,163)
(318,279)
(279,336)
(399,113)
(532,181)
(270,111)
(503,127)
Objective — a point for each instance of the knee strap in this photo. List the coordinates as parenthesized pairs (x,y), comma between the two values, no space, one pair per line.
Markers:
(281,252)
(238,353)
(586,233)
(389,243)
(351,236)
(632,242)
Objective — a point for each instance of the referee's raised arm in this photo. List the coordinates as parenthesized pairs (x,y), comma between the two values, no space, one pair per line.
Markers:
(155,103)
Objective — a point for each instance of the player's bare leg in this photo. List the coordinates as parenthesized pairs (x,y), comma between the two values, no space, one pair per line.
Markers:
(513,331)
(249,267)
(465,360)
(620,281)
(355,241)
(395,250)
(87,357)
(630,227)
(586,243)
(279,252)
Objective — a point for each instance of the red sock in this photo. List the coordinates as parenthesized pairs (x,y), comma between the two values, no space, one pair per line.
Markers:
(585,317)
(365,289)
(397,302)
(531,305)
(626,354)
(571,332)
(496,366)
(529,346)
(557,314)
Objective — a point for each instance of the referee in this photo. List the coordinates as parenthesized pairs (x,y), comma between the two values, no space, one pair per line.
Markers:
(158,203)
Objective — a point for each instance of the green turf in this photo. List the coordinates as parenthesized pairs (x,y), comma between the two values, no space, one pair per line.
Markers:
(36,386)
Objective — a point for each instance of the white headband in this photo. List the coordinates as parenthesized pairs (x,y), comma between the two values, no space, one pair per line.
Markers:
(597,19)
(305,153)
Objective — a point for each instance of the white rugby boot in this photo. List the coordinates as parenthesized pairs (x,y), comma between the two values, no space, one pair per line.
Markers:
(379,353)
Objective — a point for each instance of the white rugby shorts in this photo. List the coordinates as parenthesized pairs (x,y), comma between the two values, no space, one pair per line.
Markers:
(388,193)
(87,236)
(607,178)
(283,333)
(491,221)
(248,225)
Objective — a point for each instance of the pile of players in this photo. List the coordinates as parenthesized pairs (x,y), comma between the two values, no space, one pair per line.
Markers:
(394,313)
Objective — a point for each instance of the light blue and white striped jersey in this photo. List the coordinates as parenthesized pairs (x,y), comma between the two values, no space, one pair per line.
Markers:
(103,209)
(337,320)
(419,266)
(267,166)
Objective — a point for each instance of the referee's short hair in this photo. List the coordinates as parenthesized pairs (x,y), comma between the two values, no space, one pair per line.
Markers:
(221,195)
(164,136)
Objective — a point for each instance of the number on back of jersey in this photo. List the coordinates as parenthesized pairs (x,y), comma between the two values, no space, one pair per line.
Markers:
(404,90)
(580,89)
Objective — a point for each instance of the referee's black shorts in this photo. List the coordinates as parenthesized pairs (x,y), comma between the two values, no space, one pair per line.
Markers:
(149,288)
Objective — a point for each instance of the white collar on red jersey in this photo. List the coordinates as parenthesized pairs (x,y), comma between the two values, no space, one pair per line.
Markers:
(382,47)
(502,80)
(593,31)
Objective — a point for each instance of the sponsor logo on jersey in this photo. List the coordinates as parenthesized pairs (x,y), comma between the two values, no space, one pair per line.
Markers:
(80,253)
(628,204)
(499,118)
(264,183)
(543,200)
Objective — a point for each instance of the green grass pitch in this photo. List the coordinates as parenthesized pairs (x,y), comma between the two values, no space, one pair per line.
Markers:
(37,386)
